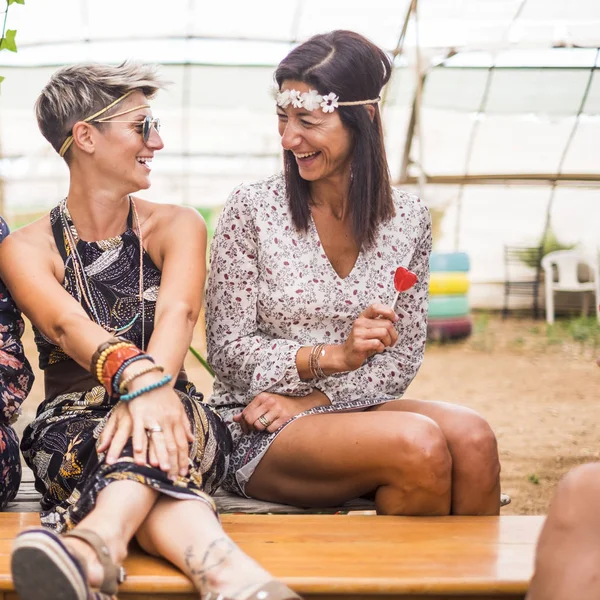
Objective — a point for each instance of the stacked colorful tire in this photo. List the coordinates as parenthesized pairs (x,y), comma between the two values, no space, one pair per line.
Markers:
(449,317)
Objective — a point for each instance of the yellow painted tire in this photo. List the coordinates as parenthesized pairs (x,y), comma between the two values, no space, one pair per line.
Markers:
(448,284)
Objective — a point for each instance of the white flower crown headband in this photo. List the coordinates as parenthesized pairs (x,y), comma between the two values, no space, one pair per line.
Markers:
(312,99)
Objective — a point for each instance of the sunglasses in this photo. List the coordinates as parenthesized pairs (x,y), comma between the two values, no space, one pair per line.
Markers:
(147,124)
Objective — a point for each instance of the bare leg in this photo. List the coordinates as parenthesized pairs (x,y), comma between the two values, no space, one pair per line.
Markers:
(567,565)
(324,460)
(115,521)
(200,548)
(474,451)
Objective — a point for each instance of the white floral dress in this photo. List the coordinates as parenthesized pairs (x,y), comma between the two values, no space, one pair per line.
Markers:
(272,290)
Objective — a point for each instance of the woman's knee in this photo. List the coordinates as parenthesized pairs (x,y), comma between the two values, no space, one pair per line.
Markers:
(423,458)
(576,497)
(475,449)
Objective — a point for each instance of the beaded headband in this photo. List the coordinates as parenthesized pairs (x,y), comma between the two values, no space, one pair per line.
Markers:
(67,143)
(312,99)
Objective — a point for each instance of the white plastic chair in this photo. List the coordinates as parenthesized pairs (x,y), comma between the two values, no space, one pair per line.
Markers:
(567,263)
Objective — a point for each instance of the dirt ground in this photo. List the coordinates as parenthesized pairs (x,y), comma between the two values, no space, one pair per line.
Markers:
(539,391)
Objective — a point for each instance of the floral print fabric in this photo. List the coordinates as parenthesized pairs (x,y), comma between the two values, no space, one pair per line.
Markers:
(272,290)
(16,379)
(60,443)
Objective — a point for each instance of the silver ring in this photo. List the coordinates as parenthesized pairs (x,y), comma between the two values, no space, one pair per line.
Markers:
(154,429)
(263,420)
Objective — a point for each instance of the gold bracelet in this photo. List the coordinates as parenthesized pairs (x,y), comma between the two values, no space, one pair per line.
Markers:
(123,386)
(318,370)
(313,362)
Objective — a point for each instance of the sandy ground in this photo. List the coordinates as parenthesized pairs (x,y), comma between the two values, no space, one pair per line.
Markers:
(539,392)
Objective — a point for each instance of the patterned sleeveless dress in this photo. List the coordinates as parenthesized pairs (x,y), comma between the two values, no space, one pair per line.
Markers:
(16,379)
(60,444)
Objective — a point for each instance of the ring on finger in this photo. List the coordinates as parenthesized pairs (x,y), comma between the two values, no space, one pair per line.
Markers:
(264,421)
(153,429)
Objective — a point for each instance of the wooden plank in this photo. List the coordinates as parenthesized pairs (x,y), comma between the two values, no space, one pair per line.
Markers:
(317,597)
(333,557)
(232,503)
(28,498)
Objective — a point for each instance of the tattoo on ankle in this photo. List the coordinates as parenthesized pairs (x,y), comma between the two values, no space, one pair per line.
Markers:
(216,554)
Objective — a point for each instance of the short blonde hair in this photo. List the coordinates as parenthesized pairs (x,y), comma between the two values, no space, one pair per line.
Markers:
(78,91)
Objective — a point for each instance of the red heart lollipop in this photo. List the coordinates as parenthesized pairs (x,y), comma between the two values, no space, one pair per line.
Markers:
(404,279)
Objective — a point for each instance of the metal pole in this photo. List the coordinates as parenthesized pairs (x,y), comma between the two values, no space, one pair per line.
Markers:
(565,151)
(418,102)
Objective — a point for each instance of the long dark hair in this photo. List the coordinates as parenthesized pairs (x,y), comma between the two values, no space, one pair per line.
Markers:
(354,68)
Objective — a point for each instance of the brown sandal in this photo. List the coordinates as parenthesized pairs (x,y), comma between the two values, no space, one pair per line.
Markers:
(272,590)
(43,568)
(113,574)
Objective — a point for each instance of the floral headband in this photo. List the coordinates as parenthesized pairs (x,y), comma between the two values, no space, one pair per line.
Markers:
(312,99)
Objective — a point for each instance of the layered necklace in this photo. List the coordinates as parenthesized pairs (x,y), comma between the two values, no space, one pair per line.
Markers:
(82,281)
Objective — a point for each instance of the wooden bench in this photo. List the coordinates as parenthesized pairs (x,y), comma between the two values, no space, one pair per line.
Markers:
(356,557)
(28,498)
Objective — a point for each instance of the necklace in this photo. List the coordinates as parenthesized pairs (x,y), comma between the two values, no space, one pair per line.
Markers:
(82,280)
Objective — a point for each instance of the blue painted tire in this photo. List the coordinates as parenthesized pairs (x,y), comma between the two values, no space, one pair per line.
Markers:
(449,261)
(446,307)
(449,329)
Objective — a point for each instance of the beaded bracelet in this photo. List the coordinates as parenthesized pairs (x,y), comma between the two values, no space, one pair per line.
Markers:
(147,388)
(104,355)
(123,386)
(101,348)
(129,361)
(114,361)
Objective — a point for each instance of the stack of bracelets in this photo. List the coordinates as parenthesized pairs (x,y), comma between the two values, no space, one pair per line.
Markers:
(110,361)
(314,366)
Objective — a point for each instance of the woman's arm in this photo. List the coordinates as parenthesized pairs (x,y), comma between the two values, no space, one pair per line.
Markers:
(244,357)
(16,376)
(179,246)
(27,268)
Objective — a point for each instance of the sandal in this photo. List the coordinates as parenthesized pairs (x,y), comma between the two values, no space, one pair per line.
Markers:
(272,590)
(43,568)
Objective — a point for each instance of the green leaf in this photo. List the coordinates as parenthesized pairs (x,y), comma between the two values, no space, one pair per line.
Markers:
(9,42)
(202,360)
(1,79)
(16,2)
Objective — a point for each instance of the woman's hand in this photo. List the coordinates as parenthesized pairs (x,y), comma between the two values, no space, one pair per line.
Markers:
(160,429)
(116,432)
(268,412)
(371,333)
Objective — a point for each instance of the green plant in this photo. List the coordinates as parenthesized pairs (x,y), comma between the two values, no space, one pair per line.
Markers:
(8,41)
(550,243)
(202,360)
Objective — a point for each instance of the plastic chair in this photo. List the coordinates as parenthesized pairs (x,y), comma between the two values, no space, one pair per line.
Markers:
(567,263)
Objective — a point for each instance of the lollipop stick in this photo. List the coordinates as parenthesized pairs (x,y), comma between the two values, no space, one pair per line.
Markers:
(399,311)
